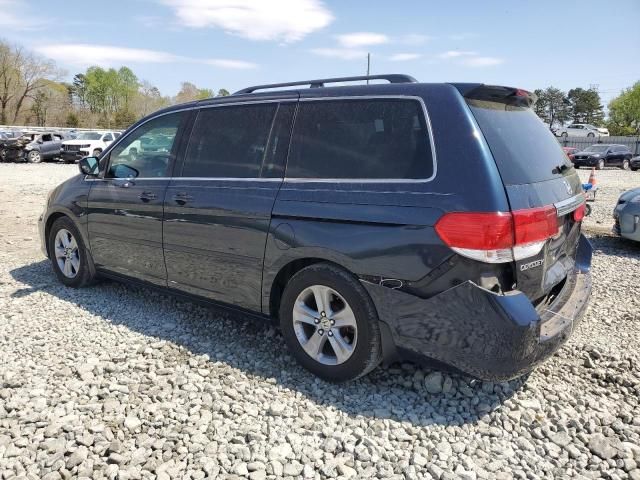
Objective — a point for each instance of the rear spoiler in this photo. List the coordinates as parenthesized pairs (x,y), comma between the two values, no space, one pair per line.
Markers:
(495,93)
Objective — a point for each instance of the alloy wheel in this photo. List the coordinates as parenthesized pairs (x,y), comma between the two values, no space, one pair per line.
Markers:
(67,253)
(325,325)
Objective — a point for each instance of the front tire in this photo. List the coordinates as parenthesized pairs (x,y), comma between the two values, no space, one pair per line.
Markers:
(34,157)
(600,165)
(564,134)
(625,165)
(71,261)
(590,134)
(330,324)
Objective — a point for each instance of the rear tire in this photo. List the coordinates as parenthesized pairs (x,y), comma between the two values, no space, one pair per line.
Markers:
(625,165)
(71,261)
(634,169)
(345,339)
(564,134)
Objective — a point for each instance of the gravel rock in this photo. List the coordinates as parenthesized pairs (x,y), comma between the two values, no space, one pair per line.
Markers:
(119,382)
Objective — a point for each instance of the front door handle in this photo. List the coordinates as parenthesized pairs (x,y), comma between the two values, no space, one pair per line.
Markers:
(147,196)
(182,197)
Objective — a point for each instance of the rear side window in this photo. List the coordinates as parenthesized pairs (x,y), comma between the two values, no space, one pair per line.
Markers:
(360,139)
(523,147)
(229,142)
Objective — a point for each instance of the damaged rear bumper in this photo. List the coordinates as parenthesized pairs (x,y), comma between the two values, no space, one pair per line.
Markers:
(484,334)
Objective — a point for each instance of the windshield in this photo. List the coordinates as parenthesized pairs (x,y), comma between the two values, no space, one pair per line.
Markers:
(597,148)
(89,136)
(524,149)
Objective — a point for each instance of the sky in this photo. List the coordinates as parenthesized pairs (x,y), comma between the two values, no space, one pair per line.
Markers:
(235,43)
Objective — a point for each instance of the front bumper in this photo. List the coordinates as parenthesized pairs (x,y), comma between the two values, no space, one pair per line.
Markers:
(585,162)
(627,221)
(73,156)
(487,335)
(41,234)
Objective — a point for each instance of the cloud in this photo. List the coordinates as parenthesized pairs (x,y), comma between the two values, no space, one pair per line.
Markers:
(84,55)
(414,39)
(456,54)
(229,64)
(361,39)
(341,53)
(403,57)
(281,20)
(482,61)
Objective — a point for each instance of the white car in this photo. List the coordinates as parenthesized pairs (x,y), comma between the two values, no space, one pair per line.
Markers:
(582,130)
(86,144)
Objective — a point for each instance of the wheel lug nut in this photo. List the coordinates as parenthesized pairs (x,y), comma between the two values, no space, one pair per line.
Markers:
(323,314)
(333,322)
(320,332)
(316,320)
(330,333)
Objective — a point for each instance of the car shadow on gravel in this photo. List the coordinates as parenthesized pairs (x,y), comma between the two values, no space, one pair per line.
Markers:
(403,392)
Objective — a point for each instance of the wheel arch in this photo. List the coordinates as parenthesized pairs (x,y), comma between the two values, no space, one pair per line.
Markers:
(51,220)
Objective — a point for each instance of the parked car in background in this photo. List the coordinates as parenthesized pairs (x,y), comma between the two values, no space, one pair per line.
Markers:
(33,147)
(255,201)
(626,215)
(570,151)
(87,144)
(582,130)
(603,155)
(634,164)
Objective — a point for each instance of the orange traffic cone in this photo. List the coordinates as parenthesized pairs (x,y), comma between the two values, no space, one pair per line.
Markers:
(592,177)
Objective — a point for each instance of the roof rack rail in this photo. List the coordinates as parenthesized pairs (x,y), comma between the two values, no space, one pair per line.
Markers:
(391,78)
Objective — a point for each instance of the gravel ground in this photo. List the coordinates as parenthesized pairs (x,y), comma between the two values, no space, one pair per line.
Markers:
(120,382)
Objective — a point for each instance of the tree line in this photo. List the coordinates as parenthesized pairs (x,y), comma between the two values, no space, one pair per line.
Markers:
(32,93)
(556,107)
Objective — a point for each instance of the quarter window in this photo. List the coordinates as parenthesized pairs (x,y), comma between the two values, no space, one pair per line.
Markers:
(229,141)
(146,152)
(360,139)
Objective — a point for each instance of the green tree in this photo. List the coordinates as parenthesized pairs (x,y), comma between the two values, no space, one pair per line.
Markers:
(223,92)
(124,118)
(79,90)
(552,106)
(39,108)
(586,106)
(624,112)
(189,93)
(72,120)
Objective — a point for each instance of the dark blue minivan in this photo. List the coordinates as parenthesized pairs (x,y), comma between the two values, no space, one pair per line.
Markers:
(385,221)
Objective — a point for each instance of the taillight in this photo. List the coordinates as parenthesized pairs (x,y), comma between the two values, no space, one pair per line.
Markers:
(498,237)
(579,213)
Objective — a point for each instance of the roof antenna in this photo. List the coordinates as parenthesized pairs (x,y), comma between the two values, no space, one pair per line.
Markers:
(368,66)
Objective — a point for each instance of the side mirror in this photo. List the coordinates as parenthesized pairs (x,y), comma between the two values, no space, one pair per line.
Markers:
(89,166)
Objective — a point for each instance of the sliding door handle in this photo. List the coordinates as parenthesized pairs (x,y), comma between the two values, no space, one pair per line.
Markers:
(147,196)
(182,197)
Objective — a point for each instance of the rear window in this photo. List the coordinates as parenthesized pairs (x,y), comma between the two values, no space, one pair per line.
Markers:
(360,139)
(523,147)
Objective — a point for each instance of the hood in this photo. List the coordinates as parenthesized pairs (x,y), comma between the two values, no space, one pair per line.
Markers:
(629,194)
(588,154)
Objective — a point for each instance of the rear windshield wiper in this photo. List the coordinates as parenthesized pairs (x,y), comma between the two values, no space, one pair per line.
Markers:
(560,168)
